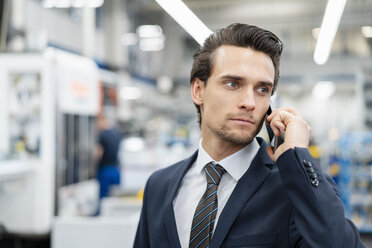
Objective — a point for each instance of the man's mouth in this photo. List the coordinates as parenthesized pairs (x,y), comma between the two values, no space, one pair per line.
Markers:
(243,121)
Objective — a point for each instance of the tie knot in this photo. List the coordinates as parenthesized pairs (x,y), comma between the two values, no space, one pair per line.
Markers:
(213,173)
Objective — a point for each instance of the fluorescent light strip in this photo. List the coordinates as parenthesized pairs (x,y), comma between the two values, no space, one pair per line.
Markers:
(328,30)
(186,18)
(72,3)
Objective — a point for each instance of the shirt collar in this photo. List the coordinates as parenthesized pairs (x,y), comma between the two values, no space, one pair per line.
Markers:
(236,164)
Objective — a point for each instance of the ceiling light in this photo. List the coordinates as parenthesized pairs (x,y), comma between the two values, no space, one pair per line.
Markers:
(328,30)
(48,3)
(149,31)
(145,44)
(186,18)
(151,37)
(78,3)
(72,3)
(151,44)
(367,31)
(63,4)
(94,3)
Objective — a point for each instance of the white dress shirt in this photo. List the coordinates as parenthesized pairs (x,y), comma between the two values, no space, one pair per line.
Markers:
(194,185)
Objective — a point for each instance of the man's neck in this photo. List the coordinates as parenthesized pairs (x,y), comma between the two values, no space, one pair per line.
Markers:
(219,149)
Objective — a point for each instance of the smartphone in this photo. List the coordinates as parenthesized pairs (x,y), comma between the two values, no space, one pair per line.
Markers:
(275,141)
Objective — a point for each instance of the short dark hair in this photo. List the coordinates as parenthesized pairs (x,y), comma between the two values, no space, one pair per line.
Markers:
(241,35)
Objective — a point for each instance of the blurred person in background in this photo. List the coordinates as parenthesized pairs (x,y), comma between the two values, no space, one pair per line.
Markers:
(235,190)
(109,139)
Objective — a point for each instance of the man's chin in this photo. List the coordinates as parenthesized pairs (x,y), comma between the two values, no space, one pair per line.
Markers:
(235,136)
(237,139)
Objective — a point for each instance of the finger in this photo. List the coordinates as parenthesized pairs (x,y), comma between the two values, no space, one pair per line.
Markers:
(277,124)
(293,111)
(288,109)
(276,130)
(271,116)
(280,118)
(285,117)
(280,111)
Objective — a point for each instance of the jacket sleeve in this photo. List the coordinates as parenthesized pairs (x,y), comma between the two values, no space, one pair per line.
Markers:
(142,236)
(318,218)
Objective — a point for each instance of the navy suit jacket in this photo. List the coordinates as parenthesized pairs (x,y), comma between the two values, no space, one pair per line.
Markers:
(272,205)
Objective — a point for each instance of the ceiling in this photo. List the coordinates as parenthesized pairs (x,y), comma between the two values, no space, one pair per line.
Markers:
(280,12)
(292,20)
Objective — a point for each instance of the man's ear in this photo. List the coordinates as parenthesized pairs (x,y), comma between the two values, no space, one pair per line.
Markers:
(197,90)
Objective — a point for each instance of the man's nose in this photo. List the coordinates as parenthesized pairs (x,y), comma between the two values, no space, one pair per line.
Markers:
(247,100)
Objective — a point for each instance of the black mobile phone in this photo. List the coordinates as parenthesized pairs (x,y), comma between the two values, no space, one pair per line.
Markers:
(275,141)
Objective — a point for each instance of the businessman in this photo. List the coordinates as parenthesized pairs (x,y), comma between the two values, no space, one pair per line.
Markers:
(235,190)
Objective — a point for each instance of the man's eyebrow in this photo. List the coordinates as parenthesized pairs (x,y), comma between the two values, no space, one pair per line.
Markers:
(266,83)
(233,77)
(239,78)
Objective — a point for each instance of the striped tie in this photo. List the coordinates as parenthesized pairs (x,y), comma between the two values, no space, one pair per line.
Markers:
(205,213)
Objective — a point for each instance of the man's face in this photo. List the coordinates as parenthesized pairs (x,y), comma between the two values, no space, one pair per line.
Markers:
(236,97)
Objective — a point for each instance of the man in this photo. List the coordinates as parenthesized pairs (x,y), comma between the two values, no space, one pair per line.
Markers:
(109,140)
(235,191)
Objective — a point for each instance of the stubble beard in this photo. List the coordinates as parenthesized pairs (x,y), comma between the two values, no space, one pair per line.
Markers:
(236,137)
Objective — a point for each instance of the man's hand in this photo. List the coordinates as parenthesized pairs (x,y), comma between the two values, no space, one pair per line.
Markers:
(296,130)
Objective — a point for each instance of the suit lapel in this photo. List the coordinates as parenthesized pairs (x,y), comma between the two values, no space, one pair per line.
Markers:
(243,191)
(174,184)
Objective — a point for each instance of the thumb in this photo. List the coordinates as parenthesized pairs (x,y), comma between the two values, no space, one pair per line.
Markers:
(270,152)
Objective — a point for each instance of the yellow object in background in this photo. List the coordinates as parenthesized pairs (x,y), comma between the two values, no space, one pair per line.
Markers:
(315,151)
(140,194)
(20,146)
(334,169)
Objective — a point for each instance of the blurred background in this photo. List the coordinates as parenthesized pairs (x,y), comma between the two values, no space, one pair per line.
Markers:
(74,72)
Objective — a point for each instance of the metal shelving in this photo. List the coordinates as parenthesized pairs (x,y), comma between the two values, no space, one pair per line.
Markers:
(355,178)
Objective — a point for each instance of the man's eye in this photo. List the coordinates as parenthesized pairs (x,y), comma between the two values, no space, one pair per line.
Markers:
(232,84)
(264,90)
